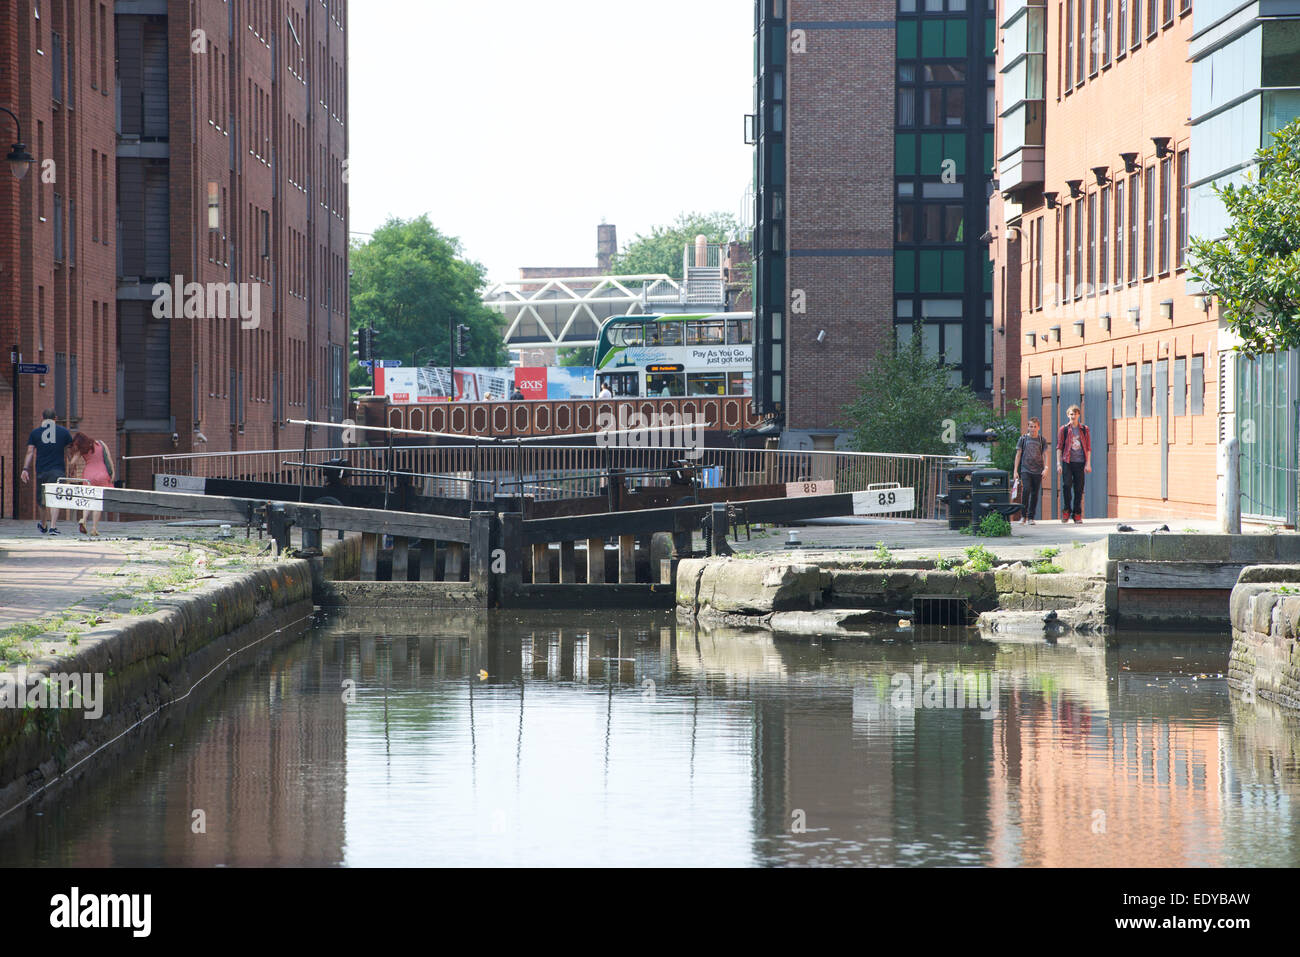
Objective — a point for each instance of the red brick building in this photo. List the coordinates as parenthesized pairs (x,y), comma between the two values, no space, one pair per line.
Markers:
(205,141)
(873,136)
(1090,226)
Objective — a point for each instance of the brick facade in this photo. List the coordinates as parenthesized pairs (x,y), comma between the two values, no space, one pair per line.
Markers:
(1063,318)
(840,202)
(205,104)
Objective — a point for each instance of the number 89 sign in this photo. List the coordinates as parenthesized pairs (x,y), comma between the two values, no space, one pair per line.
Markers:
(884,501)
(86,498)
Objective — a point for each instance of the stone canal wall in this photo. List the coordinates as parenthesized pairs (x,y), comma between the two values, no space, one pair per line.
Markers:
(830,598)
(142,665)
(1265,658)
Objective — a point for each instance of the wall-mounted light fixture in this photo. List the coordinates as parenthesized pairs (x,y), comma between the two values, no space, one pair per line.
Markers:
(1100,172)
(1167,309)
(1205,303)
(1031,339)
(1050,199)
(1130,162)
(1135,316)
(1056,333)
(1075,187)
(1162,146)
(1078,328)
(1104,321)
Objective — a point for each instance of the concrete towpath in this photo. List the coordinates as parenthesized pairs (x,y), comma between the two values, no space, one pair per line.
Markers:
(49,583)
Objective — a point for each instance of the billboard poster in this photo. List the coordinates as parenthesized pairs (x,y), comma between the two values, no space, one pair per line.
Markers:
(484,384)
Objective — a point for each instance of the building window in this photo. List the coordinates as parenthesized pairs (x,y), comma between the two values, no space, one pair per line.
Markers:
(1180,386)
(1130,391)
(1103,233)
(1169,12)
(1121,20)
(1166,186)
(1135,31)
(1117,392)
(1149,235)
(1039,278)
(1069,45)
(1080,41)
(1146,390)
(1093,50)
(1119,232)
(214,206)
(1067,287)
(1106,32)
(1197,391)
(1092,245)
(1152,24)
(58,228)
(1182,210)
(1078,249)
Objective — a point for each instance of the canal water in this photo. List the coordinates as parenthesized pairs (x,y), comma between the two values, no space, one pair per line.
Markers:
(631,739)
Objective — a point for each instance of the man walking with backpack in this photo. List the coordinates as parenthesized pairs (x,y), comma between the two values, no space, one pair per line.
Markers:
(1074,461)
(47,446)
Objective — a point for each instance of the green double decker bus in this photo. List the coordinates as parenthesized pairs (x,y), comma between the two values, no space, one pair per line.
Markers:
(661,357)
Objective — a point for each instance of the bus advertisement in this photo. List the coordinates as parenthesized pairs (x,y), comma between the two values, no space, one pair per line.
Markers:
(673,356)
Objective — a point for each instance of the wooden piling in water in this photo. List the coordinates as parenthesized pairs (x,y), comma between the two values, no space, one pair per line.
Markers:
(401,558)
(595,561)
(541,565)
(428,560)
(568,563)
(627,559)
(369,556)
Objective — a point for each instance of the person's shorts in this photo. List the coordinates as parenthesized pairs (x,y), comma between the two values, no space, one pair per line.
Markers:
(49,477)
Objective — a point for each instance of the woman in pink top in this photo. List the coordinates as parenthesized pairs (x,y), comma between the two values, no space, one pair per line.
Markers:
(97,470)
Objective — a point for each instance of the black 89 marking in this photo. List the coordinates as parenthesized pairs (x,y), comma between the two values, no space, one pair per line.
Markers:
(888,498)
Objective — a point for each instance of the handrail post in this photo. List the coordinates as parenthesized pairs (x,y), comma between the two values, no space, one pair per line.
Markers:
(302,472)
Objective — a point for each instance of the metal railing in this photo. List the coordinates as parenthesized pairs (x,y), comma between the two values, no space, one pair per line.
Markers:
(548,472)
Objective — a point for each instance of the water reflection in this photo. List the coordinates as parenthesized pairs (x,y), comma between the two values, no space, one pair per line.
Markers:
(634,740)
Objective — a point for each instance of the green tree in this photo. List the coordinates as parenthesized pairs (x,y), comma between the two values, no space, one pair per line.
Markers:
(1254,270)
(407,282)
(661,251)
(908,404)
(577,356)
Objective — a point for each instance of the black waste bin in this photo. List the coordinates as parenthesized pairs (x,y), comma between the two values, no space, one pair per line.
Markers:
(958,497)
(989,488)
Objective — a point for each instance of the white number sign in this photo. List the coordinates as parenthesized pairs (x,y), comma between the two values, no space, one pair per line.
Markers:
(179,483)
(884,501)
(800,489)
(86,498)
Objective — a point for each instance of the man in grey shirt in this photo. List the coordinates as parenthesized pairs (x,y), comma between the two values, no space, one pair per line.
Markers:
(1031,466)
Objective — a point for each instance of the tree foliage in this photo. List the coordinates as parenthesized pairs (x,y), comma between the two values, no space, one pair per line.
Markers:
(908,404)
(408,281)
(576,356)
(1254,270)
(661,251)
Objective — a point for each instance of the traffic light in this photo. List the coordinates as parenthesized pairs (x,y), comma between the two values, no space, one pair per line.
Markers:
(462,340)
(361,345)
(372,341)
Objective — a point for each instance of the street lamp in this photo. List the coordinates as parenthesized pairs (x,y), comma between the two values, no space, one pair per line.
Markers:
(19,162)
(18,158)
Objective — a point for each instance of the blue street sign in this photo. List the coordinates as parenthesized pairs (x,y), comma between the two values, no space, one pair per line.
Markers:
(366,364)
(389,363)
(33,368)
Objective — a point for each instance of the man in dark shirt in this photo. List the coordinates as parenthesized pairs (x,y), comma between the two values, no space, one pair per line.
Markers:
(48,445)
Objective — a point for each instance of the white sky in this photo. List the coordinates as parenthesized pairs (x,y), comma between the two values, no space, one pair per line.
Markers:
(519,125)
